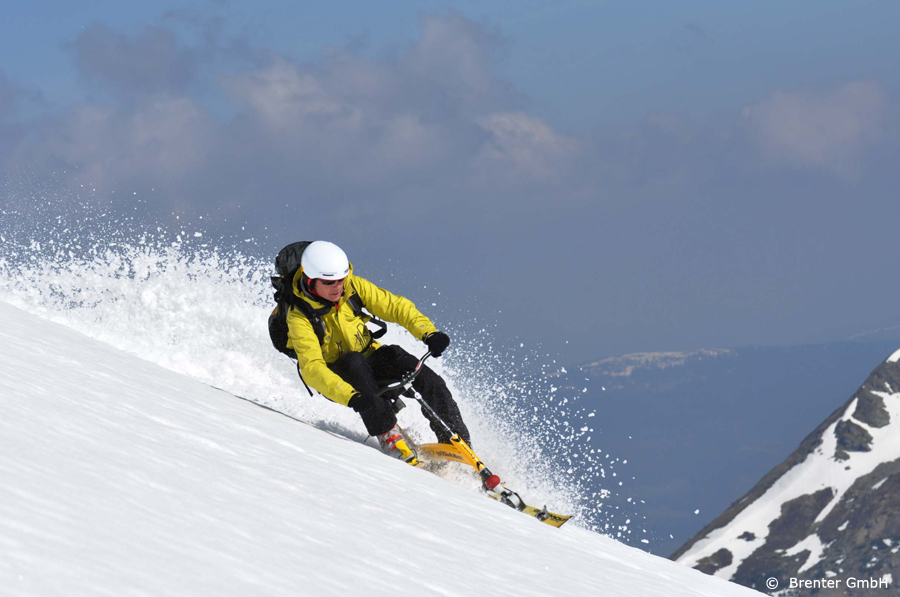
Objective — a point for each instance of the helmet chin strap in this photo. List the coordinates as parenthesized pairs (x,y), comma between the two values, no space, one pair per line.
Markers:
(306,287)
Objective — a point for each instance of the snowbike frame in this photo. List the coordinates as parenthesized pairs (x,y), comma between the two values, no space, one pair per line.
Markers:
(459,451)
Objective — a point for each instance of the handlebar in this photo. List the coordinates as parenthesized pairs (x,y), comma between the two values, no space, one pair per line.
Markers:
(407,379)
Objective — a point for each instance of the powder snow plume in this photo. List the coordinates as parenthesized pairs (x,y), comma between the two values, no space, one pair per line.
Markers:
(173,296)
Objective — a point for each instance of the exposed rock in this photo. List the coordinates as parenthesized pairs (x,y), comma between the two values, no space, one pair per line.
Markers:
(867,514)
(870,410)
(747,536)
(796,519)
(841,455)
(852,438)
(717,561)
(787,530)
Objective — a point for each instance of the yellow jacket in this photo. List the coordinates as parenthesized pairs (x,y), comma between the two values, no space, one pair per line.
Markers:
(345,332)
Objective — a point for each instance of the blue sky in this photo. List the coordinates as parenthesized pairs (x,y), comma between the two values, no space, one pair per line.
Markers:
(658,176)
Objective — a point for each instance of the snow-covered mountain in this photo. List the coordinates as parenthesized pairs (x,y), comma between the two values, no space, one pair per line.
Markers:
(121,477)
(703,427)
(828,513)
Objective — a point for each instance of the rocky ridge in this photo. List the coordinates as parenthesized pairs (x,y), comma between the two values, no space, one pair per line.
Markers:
(831,510)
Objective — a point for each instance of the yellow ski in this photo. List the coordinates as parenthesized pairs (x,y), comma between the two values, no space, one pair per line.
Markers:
(459,451)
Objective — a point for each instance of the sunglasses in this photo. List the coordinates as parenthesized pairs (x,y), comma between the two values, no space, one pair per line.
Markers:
(330,282)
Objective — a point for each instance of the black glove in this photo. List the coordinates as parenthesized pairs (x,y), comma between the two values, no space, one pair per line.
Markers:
(437,342)
(360,402)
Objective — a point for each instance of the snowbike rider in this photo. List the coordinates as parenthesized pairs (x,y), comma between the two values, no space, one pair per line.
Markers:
(348,366)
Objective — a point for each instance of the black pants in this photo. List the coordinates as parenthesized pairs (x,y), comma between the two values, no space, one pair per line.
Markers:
(386,365)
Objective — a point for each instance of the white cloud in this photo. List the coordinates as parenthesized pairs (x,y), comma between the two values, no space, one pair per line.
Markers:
(165,139)
(431,123)
(524,144)
(285,97)
(828,131)
(455,55)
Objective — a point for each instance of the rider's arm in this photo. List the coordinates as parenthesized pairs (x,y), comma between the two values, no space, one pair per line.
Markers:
(311,362)
(393,308)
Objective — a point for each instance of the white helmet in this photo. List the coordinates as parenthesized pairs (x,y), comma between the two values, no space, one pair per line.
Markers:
(323,260)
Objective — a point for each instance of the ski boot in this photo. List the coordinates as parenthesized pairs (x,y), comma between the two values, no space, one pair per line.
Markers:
(394,444)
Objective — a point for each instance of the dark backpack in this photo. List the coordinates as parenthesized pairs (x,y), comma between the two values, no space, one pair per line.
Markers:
(287,262)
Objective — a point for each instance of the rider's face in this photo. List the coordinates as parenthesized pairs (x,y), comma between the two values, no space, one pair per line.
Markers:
(331,292)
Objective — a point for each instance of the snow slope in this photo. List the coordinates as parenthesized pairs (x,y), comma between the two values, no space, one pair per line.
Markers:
(120,477)
(201,311)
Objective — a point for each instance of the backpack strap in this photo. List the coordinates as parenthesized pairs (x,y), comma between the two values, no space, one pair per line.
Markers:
(355,302)
(315,318)
(305,385)
(313,315)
